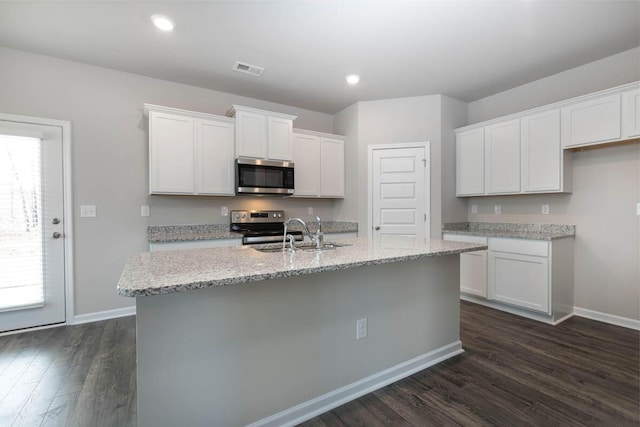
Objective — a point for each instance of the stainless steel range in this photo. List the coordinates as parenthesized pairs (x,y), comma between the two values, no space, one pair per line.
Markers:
(261,226)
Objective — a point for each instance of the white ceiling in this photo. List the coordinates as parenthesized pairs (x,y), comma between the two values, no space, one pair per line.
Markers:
(464,49)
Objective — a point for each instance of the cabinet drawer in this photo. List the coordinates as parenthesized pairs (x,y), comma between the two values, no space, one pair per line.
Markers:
(464,238)
(518,246)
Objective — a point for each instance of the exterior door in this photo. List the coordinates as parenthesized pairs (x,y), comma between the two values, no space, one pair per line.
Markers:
(32,250)
(399,191)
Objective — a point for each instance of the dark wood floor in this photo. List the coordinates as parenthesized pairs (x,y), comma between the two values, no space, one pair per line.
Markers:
(83,375)
(515,372)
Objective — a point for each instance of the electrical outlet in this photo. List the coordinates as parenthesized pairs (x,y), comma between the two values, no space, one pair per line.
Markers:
(497,209)
(638,209)
(144,210)
(545,209)
(88,211)
(310,210)
(474,209)
(224,211)
(361,328)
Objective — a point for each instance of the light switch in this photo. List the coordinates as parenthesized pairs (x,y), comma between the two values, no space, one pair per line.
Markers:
(545,209)
(497,209)
(144,210)
(88,211)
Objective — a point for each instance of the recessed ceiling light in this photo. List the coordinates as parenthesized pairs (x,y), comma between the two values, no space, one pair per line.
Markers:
(352,79)
(162,22)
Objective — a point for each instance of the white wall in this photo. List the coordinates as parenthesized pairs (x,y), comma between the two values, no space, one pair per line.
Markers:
(606,188)
(109,159)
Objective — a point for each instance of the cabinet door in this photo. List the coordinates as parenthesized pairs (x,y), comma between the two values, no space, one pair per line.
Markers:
(631,114)
(331,167)
(171,154)
(502,157)
(520,280)
(470,162)
(214,157)
(591,122)
(541,152)
(306,157)
(280,138)
(473,273)
(251,136)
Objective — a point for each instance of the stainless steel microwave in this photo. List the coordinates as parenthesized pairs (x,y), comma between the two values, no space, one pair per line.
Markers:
(254,176)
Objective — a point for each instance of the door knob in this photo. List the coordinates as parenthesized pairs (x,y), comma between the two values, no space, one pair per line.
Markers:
(56,235)
(377,227)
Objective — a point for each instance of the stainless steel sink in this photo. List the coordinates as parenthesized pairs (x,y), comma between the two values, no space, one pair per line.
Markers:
(277,247)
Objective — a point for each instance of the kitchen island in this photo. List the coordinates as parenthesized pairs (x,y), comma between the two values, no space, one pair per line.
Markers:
(234,336)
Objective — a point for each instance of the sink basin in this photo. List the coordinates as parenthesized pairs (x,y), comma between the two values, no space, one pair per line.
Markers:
(277,247)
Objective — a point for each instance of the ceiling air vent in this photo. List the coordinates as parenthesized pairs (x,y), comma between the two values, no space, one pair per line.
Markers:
(248,69)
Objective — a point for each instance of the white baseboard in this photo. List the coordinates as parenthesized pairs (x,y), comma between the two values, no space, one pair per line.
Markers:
(103,315)
(625,322)
(321,404)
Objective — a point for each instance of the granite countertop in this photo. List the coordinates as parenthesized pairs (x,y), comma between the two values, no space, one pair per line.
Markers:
(186,233)
(155,273)
(511,230)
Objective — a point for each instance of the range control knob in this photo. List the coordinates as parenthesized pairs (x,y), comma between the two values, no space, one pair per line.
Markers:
(279,215)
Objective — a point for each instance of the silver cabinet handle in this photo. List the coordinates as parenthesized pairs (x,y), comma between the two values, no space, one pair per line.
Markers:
(377,227)
(56,235)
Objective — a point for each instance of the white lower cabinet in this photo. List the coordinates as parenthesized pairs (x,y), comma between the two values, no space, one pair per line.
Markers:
(520,280)
(532,278)
(473,266)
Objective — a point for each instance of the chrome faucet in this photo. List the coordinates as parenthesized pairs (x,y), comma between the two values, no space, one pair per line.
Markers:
(316,238)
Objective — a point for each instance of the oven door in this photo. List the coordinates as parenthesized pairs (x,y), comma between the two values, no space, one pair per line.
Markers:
(255,176)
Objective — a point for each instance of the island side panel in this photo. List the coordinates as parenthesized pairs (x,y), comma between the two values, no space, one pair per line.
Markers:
(232,355)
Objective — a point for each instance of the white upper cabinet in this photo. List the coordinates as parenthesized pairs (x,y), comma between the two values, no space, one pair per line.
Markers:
(332,167)
(190,153)
(306,157)
(470,162)
(502,157)
(263,134)
(319,164)
(171,154)
(631,114)
(593,121)
(542,159)
(214,157)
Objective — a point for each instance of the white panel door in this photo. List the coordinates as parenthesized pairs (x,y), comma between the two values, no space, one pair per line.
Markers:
(32,262)
(631,114)
(306,155)
(332,167)
(502,157)
(399,192)
(591,122)
(541,152)
(470,162)
(214,157)
(171,154)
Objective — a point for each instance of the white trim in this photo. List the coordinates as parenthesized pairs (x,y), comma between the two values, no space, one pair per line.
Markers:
(427,147)
(35,328)
(342,395)
(612,319)
(67,203)
(104,315)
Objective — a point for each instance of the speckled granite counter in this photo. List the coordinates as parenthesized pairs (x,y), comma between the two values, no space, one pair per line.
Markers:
(186,233)
(154,273)
(510,230)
